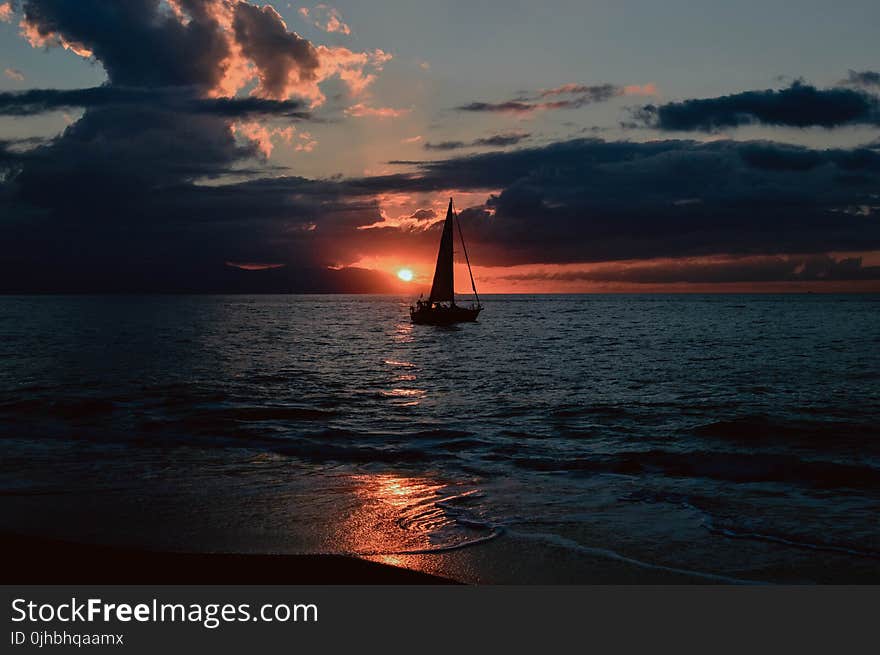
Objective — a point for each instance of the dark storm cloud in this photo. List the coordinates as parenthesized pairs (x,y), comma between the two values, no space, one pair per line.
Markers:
(800,105)
(494,141)
(156,121)
(576,201)
(863,78)
(136,42)
(179,99)
(592,200)
(782,157)
(113,202)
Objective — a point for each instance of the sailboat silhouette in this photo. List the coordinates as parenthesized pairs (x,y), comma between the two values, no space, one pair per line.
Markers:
(440,307)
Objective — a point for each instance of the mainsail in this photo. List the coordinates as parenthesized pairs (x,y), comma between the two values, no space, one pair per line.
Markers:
(443,288)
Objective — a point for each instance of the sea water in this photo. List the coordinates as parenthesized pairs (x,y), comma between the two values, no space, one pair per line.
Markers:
(581,438)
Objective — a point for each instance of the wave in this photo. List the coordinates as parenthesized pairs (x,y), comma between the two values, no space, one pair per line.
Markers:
(590,410)
(714,526)
(267,413)
(794,543)
(434,522)
(607,553)
(727,466)
(467,543)
(762,428)
(68,408)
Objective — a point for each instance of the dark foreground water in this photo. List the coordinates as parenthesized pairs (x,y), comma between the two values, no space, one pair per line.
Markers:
(561,438)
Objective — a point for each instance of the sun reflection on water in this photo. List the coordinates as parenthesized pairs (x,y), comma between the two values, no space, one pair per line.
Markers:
(403,396)
(403,332)
(398,517)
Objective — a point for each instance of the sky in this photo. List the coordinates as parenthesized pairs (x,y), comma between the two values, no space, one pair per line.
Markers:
(231,145)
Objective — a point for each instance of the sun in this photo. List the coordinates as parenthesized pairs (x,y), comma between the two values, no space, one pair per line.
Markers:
(405,274)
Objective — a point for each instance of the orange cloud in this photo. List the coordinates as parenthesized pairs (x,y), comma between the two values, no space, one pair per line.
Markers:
(6,12)
(360,110)
(262,136)
(307,143)
(38,39)
(649,89)
(326,18)
(711,273)
(350,66)
(418,212)
(283,63)
(14,74)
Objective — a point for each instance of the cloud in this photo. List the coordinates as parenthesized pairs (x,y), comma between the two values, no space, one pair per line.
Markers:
(287,63)
(445,145)
(264,136)
(6,12)
(217,46)
(158,122)
(711,270)
(800,105)
(600,200)
(863,78)
(649,89)
(577,201)
(508,107)
(771,156)
(600,92)
(179,99)
(326,18)
(130,206)
(173,73)
(501,140)
(581,96)
(290,65)
(14,74)
(361,110)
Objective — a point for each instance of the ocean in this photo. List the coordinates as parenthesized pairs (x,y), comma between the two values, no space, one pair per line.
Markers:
(580,438)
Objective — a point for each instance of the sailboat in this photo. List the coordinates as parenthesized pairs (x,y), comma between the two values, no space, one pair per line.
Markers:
(440,307)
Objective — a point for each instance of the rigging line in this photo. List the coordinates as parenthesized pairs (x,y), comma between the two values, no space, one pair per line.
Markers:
(466,259)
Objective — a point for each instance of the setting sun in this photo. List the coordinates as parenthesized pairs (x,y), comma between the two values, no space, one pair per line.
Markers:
(405,274)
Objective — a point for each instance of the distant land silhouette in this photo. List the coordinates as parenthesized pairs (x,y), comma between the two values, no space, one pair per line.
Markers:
(216,279)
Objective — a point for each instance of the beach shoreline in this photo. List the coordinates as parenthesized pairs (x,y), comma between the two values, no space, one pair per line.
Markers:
(40,560)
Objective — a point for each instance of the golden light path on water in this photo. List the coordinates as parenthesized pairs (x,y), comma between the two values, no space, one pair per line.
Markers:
(403,520)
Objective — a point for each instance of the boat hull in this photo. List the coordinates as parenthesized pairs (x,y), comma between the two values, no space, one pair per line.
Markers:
(444,315)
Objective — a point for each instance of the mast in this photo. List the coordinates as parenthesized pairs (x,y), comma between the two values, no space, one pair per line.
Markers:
(466,258)
(443,287)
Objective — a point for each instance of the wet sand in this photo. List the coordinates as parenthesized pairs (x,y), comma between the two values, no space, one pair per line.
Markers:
(38,560)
